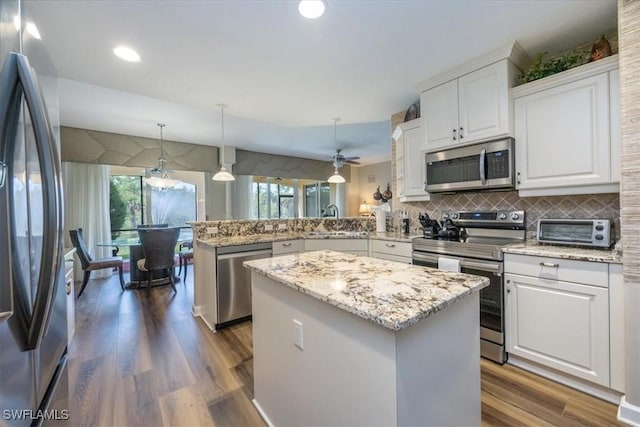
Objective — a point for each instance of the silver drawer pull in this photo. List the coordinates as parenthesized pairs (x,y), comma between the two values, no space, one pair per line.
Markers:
(549,264)
(390,245)
(286,245)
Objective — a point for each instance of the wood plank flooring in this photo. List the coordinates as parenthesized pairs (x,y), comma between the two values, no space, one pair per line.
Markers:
(144,360)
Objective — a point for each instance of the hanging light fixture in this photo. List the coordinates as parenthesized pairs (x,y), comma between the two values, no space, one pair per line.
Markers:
(336,178)
(159,177)
(223,174)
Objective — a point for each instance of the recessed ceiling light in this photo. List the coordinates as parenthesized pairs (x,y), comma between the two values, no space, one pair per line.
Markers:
(126,53)
(312,9)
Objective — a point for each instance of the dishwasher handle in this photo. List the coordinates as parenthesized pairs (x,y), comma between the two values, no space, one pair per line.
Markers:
(267,252)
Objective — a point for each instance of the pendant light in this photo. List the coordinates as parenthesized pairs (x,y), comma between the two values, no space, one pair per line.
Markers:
(336,178)
(159,177)
(223,174)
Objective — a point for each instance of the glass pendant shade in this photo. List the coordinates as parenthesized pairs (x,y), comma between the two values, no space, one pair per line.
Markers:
(223,175)
(336,178)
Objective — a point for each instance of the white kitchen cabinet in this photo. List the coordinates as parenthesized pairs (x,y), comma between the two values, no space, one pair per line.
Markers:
(475,107)
(350,246)
(410,172)
(561,324)
(614,120)
(617,327)
(391,250)
(567,132)
(286,247)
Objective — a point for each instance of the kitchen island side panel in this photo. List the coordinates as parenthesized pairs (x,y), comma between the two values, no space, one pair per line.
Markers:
(345,375)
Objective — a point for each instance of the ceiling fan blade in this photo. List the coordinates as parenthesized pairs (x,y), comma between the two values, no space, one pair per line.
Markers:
(351,162)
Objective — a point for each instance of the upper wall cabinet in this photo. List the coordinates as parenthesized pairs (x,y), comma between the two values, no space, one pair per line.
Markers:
(410,166)
(472,108)
(567,132)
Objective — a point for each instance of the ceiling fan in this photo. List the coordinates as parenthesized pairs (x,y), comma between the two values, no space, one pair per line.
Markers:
(339,160)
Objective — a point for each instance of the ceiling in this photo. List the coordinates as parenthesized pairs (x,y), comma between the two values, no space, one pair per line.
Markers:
(283,77)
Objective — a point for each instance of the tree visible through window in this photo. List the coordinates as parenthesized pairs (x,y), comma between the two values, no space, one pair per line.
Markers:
(134,203)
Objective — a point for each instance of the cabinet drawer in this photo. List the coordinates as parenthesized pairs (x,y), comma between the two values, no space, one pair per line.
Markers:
(392,248)
(286,247)
(566,270)
(340,245)
(389,257)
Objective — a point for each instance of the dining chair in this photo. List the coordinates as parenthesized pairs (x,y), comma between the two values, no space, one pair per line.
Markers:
(158,245)
(184,257)
(89,264)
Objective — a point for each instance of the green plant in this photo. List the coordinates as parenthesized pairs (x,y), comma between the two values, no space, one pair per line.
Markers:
(543,68)
(117,208)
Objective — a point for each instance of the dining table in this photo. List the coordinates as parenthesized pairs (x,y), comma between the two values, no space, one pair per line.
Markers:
(137,277)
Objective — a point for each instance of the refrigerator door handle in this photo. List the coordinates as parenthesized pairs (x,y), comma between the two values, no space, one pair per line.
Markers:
(51,186)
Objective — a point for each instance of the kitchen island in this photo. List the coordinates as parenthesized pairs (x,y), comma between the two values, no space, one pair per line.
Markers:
(340,339)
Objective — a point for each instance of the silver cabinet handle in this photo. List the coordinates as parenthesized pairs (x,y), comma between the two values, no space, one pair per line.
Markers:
(286,245)
(508,289)
(549,264)
(518,174)
(454,135)
(390,245)
(461,134)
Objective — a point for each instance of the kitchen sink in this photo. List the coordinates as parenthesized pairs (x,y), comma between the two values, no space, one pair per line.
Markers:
(324,234)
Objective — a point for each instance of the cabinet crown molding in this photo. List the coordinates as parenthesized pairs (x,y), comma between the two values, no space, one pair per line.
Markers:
(568,76)
(514,52)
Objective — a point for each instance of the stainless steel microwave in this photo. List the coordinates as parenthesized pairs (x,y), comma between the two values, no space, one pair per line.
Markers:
(488,165)
(582,232)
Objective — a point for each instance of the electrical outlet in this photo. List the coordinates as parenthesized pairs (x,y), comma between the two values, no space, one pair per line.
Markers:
(282,226)
(212,230)
(268,227)
(297,334)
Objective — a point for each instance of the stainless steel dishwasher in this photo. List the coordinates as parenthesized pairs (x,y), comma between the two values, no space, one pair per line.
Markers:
(233,284)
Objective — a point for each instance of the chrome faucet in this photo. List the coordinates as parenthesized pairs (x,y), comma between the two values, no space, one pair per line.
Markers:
(335,209)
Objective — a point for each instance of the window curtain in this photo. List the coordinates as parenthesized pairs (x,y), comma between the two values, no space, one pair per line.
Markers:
(86,191)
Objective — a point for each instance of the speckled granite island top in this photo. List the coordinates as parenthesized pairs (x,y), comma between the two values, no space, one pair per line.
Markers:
(535,248)
(390,294)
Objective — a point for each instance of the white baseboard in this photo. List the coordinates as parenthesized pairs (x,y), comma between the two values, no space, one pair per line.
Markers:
(628,413)
(596,390)
(262,413)
(196,310)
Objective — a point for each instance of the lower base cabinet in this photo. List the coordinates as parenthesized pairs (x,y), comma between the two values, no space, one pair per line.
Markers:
(559,324)
(349,246)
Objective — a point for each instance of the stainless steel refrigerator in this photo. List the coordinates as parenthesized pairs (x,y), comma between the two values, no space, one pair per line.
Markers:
(33,325)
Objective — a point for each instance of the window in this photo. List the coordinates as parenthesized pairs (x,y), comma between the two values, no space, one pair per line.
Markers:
(317,196)
(272,199)
(133,203)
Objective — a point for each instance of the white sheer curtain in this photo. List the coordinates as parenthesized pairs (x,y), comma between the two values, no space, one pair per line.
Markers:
(86,190)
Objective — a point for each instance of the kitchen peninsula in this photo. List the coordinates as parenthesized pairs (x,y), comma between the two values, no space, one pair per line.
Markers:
(349,340)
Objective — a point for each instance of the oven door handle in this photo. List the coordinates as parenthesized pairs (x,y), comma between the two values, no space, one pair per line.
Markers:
(491,267)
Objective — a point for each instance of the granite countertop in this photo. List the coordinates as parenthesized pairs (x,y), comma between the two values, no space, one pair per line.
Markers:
(388,293)
(535,248)
(249,239)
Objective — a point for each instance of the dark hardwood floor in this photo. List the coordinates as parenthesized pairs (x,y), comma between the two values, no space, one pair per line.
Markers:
(144,360)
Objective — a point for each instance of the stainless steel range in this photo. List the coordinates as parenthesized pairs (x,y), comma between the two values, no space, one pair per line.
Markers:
(475,239)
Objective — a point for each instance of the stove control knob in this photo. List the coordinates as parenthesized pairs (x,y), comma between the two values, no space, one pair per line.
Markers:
(515,216)
(502,216)
(445,216)
(454,215)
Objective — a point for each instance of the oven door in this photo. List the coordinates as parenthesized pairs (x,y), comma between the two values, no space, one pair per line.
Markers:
(491,297)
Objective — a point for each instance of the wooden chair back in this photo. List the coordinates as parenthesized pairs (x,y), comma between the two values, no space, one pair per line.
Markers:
(159,247)
(81,248)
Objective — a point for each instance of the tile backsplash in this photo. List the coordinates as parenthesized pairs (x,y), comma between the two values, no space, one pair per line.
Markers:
(581,206)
